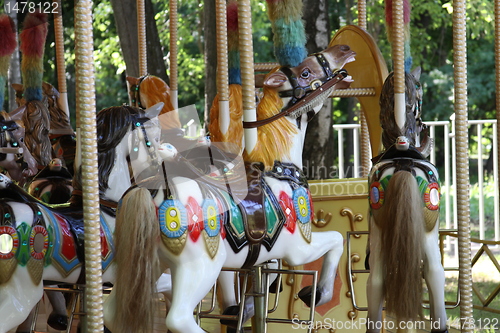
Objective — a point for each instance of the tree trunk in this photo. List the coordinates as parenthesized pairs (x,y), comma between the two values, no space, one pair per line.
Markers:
(318,154)
(125,12)
(210,56)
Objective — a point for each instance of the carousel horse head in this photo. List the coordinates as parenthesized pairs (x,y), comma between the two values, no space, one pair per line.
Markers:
(292,96)
(129,132)
(414,129)
(148,90)
(14,156)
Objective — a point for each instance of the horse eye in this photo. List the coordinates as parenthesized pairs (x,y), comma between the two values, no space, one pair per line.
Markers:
(305,74)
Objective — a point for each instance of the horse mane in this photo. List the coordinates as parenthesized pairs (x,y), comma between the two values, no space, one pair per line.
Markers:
(113,124)
(36,122)
(235,131)
(273,139)
(154,90)
(387,118)
(58,118)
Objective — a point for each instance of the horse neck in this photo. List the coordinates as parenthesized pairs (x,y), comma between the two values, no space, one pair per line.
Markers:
(296,145)
(119,177)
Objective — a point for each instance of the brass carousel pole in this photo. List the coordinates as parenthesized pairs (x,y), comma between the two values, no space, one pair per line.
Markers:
(61,66)
(173,54)
(398,62)
(222,64)
(85,105)
(497,72)
(365,135)
(141,34)
(461,151)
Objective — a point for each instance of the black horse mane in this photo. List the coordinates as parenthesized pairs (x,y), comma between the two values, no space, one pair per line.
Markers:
(113,124)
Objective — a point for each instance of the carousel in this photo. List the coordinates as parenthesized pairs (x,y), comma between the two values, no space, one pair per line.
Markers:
(104,218)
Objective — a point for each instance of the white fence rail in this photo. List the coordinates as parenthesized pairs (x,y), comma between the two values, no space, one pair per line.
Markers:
(443,133)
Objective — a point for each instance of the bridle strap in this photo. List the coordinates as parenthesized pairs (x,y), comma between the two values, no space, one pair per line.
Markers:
(136,94)
(302,102)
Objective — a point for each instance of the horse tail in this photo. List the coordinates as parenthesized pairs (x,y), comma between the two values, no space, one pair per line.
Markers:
(137,236)
(401,221)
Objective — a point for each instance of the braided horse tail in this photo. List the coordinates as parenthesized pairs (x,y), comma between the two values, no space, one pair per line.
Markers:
(402,224)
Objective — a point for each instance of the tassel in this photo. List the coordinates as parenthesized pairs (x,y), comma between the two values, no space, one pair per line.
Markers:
(406,22)
(32,39)
(8,44)
(289,31)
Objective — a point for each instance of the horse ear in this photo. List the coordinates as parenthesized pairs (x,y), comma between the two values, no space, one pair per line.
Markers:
(275,80)
(133,80)
(154,111)
(17,87)
(417,72)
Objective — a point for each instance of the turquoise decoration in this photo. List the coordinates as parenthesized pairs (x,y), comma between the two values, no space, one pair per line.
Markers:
(173,218)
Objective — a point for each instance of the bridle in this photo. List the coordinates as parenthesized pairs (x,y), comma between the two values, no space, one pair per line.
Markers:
(16,148)
(139,123)
(301,96)
(136,94)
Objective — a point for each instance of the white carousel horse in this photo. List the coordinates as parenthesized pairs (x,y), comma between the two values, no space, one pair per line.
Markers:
(127,140)
(404,210)
(203,227)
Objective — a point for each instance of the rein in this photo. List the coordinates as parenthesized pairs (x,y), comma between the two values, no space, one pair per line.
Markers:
(308,94)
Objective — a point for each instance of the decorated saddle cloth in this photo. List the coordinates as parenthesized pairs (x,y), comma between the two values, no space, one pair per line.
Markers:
(54,237)
(254,218)
(410,161)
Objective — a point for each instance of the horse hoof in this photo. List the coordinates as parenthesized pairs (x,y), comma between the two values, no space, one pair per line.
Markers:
(58,322)
(232,310)
(306,295)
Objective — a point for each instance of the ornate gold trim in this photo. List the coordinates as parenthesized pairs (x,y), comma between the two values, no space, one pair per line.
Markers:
(352,218)
(322,221)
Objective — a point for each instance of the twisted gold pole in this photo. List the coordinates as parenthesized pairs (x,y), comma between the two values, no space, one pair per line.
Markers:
(85,86)
(247,71)
(398,61)
(222,60)
(61,66)
(461,151)
(141,35)
(173,52)
(365,135)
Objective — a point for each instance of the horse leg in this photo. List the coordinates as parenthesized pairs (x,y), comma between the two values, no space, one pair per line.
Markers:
(435,280)
(18,297)
(192,278)
(375,283)
(330,245)
(58,318)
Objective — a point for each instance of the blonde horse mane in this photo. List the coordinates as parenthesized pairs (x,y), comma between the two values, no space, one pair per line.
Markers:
(401,222)
(154,90)
(235,131)
(273,139)
(137,236)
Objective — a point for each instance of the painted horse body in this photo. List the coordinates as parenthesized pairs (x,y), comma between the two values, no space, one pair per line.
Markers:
(404,209)
(46,240)
(204,226)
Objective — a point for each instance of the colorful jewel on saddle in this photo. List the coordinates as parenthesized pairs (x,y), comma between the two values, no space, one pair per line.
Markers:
(173,225)
(8,260)
(286,204)
(376,195)
(432,196)
(303,210)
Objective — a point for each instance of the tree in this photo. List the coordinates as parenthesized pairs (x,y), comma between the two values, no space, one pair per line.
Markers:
(125,13)
(318,154)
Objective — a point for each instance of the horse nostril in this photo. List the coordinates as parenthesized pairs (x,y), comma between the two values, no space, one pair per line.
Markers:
(345,48)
